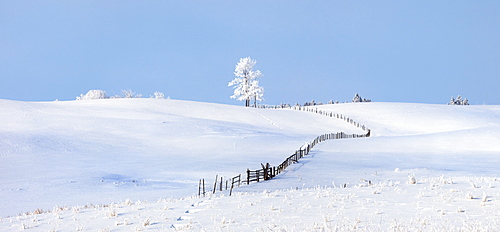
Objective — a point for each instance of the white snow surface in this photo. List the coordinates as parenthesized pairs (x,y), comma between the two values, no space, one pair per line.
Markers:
(134,164)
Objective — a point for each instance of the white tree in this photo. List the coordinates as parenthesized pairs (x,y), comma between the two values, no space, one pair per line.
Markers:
(458,101)
(246,87)
(358,98)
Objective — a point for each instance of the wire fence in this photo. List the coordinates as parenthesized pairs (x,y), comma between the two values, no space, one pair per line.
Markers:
(267,171)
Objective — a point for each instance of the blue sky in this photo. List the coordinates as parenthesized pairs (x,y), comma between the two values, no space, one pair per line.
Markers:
(388,51)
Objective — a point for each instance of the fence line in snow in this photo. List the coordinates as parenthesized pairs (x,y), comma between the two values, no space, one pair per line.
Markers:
(268,172)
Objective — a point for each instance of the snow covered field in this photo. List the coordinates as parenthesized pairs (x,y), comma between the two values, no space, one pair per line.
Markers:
(425,167)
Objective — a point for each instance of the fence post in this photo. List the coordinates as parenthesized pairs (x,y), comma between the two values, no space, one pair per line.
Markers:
(199,188)
(248,176)
(231,191)
(266,172)
(215,184)
(203,180)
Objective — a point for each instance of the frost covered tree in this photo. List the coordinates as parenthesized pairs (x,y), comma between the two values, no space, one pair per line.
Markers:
(246,86)
(358,98)
(458,101)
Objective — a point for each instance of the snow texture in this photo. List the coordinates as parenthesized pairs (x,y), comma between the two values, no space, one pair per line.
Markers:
(134,164)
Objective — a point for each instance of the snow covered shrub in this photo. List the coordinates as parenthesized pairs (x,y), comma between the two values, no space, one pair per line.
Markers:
(128,202)
(93,94)
(146,222)
(24,227)
(38,211)
(159,95)
(411,179)
(333,102)
(130,94)
(112,213)
(484,198)
(458,101)
(311,103)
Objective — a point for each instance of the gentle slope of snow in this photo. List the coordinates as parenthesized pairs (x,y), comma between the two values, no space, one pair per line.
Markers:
(98,151)
(76,153)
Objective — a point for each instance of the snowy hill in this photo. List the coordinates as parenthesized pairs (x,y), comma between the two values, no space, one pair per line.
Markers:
(435,139)
(101,151)
(98,151)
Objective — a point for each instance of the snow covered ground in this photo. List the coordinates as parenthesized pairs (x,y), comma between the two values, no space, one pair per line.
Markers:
(99,151)
(425,167)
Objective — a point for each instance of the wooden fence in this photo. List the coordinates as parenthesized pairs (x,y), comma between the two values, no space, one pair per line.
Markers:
(268,172)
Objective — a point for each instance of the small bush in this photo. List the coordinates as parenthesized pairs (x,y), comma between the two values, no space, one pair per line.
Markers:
(130,94)
(93,94)
(159,95)
(146,222)
(411,179)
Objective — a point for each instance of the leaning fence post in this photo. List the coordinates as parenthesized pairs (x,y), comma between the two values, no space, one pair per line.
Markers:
(215,183)
(231,191)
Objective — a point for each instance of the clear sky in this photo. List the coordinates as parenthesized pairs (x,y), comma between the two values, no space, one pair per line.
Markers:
(388,51)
